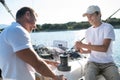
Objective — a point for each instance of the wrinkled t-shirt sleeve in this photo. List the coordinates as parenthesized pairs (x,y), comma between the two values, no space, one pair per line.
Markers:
(109,32)
(19,39)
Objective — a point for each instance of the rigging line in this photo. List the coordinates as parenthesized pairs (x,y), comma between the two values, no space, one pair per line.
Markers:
(4,4)
(112,15)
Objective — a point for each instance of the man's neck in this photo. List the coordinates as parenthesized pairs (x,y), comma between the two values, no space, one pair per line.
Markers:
(97,24)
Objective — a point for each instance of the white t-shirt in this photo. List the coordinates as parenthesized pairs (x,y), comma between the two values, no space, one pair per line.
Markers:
(12,39)
(95,36)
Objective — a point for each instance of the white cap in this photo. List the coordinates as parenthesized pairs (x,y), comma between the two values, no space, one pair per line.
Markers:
(91,9)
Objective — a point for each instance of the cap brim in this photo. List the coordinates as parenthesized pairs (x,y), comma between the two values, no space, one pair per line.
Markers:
(85,14)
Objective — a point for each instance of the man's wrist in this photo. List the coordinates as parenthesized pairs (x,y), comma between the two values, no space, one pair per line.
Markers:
(58,77)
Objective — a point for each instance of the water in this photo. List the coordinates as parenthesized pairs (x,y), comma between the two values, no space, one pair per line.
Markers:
(116,47)
(47,39)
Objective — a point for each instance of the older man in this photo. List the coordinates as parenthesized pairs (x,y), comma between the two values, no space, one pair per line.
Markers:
(18,60)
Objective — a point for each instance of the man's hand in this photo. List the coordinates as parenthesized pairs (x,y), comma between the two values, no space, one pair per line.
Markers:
(60,77)
(78,45)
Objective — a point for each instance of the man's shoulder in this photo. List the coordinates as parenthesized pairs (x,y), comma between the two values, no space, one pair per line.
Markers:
(107,24)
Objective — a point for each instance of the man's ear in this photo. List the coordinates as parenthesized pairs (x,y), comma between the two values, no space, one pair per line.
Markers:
(27,14)
(100,14)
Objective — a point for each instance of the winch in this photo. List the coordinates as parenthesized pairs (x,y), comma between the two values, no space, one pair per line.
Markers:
(63,66)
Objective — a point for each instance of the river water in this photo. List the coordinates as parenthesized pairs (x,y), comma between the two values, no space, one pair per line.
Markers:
(47,38)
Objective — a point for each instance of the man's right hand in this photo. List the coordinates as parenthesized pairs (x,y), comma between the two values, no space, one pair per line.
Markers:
(60,77)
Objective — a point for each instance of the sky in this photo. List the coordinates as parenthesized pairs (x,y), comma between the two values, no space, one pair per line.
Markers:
(59,11)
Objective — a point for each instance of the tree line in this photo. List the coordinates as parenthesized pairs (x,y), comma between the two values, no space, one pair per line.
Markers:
(73,25)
